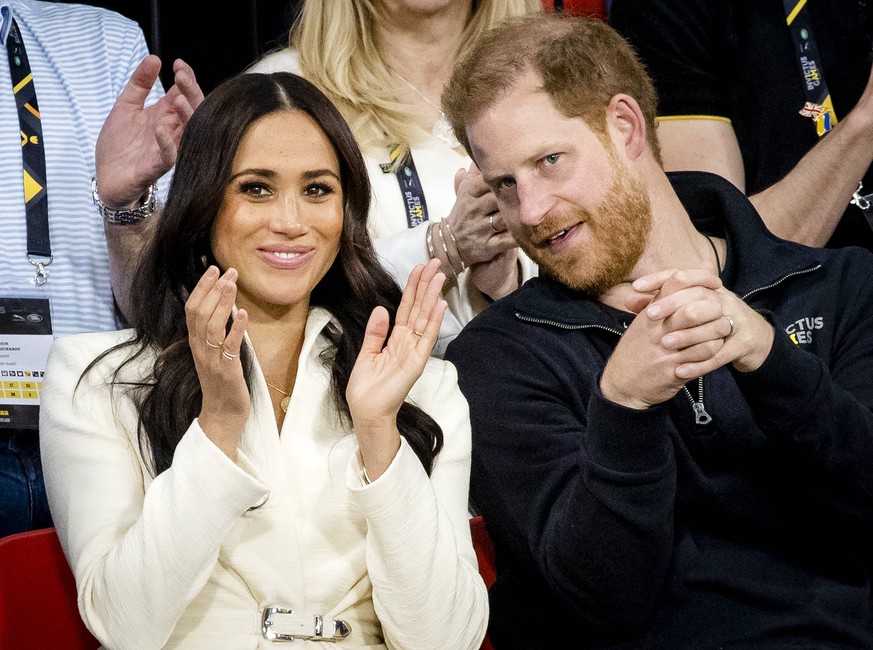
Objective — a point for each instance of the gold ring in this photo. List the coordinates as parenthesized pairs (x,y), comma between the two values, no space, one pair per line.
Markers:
(214,345)
(731,321)
(491,223)
(227,355)
(417,333)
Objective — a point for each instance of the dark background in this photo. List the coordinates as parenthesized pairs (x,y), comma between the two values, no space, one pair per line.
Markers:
(217,37)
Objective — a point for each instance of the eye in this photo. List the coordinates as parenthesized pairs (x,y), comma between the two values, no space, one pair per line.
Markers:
(506,183)
(318,190)
(552,158)
(254,188)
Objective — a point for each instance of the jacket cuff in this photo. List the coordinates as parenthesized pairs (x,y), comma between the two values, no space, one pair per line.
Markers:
(625,439)
(783,389)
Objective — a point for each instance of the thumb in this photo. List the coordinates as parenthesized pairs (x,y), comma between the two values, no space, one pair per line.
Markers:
(460,175)
(636,302)
(141,81)
(377,330)
(709,266)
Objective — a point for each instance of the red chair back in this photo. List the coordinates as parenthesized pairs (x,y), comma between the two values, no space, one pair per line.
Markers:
(484,548)
(595,8)
(38,595)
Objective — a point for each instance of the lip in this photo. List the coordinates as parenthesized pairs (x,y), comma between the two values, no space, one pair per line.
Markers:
(559,242)
(286,257)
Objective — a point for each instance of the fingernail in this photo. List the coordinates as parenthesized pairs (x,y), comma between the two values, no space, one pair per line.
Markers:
(212,271)
(653,311)
(683,372)
(640,284)
(669,341)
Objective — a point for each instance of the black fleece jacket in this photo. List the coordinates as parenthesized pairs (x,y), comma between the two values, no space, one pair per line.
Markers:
(630,528)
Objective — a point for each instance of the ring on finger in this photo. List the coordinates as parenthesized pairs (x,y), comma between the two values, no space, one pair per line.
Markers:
(491,223)
(416,333)
(213,345)
(227,355)
(731,323)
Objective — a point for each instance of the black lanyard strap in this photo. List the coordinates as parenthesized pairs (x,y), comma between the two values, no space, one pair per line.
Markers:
(818,104)
(32,155)
(410,186)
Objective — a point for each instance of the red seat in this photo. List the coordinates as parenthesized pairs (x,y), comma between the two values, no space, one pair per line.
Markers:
(484,548)
(38,595)
(595,8)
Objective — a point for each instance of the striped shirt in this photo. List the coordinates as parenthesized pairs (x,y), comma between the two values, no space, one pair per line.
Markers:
(81,57)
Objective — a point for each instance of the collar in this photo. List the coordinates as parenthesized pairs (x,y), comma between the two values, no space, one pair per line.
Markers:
(756,259)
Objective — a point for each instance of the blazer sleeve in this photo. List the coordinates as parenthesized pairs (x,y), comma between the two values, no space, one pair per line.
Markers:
(140,549)
(427,591)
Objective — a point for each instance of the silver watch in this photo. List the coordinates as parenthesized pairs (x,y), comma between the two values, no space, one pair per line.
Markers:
(126,217)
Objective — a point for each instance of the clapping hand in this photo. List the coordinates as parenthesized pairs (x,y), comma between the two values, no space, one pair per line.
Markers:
(385,371)
(226,403)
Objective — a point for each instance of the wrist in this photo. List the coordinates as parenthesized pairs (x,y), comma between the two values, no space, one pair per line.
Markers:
(144,207)
(437,248)
(617,396)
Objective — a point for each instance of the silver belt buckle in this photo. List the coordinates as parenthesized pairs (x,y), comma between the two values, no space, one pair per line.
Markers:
(279,624)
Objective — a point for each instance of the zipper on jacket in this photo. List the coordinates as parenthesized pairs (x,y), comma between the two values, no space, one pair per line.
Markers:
(782,279)
(701,416)
(565,326)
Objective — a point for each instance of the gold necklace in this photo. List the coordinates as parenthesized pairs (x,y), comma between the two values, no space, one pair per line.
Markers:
(285,400)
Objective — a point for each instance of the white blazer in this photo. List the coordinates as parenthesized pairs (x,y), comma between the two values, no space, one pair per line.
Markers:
(183,560)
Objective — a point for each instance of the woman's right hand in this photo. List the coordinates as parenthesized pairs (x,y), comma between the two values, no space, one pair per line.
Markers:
(226,404)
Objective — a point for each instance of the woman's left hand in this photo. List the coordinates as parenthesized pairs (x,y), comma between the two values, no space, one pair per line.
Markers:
(385,372)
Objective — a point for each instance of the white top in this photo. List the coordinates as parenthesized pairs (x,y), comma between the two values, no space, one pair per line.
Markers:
(399,247)
(183,561)
(81,58)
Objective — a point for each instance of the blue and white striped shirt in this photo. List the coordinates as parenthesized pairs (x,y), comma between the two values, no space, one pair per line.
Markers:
(81,57)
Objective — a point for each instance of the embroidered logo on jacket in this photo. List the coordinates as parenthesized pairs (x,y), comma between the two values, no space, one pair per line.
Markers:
(800,331)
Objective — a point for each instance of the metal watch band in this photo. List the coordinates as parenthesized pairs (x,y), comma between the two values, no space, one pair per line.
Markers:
(126,217)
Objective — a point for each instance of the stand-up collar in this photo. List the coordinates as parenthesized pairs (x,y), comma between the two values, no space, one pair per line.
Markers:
(755,260)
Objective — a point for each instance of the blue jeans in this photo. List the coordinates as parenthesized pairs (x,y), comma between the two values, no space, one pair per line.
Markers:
(23,504)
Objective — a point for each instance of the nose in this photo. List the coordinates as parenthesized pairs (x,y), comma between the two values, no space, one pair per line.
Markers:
(285,217)
(534,201)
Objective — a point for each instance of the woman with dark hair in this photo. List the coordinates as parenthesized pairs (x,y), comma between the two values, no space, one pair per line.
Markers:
(269,453)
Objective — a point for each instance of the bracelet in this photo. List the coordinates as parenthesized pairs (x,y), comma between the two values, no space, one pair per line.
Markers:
(451,257)
(445,261)
(429,240)
(126,217)
(455,242)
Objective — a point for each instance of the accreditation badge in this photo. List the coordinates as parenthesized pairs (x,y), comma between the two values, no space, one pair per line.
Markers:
(25,339)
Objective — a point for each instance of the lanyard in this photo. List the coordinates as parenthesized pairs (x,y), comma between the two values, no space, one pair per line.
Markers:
(32,156)
(818,104)
(410,186)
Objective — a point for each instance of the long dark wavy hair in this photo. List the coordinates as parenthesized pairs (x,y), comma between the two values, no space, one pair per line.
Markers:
(180,252)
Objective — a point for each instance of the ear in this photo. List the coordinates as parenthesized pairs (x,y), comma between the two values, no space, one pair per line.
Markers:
(626,122)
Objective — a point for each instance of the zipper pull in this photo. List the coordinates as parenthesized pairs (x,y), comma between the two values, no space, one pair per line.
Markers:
(700,414)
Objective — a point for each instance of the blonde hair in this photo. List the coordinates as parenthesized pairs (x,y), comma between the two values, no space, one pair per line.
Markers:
(339,53)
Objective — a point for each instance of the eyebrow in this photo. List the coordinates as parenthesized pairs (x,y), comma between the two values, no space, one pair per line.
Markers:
(270,173)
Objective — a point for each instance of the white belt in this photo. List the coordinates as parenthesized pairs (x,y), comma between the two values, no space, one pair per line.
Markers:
(280,624)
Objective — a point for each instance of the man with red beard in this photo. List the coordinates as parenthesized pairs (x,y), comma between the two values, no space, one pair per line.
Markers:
(662,457)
